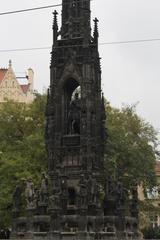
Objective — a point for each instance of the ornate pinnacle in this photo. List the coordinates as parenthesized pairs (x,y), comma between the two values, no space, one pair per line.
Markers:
(10,63)
(55,27)
(103,108)
(95,33)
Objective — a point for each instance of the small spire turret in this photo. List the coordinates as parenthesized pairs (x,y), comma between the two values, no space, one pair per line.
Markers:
(10,64)
(55,27)
(96,33)
(103,108)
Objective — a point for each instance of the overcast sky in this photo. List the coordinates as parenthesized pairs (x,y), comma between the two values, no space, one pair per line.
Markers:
(130,72)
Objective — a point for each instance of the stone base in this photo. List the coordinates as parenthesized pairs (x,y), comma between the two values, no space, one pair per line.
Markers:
(78,227)
(77,236)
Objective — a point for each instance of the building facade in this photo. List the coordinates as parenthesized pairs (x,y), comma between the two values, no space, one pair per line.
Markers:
(12,89)
(153,198)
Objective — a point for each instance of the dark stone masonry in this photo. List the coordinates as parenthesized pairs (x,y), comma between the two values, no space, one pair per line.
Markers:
(75,201)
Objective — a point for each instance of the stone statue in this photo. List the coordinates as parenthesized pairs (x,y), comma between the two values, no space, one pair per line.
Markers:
(64,192)
(64,187)
(17,197)
(93,189)
(121,195)
(44,189)
(109,187)
(36,197)
(54,201)
(30,193)
(83,191)
(74,116)
(84,124)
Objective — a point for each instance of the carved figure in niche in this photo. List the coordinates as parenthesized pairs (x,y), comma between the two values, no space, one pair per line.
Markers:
(64,192)
(64,187)
(73,8)
(54,201)
(30,193)
(44,189)
(121,194)
(93,189)
(83,191)
(83,121)
(108,227)
(66,227)
(109,187)
(36,197)
(70,27)
(17,196)
(90,227)
(74,116)
(96,196)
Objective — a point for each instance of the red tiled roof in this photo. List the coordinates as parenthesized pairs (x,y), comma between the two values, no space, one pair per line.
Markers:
(2,73)
(25,87)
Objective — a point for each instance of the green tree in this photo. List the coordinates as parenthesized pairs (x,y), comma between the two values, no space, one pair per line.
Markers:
(22,148)
(131,147)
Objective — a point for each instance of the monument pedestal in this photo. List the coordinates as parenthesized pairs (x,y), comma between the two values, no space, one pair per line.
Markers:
(54,235)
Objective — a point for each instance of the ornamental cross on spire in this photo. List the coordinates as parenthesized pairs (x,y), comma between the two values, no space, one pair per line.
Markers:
(55,18)
(96,21)
(96,29)
(55,13)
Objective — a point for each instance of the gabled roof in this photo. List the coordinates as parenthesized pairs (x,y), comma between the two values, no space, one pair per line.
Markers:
(24,87)
(2,73)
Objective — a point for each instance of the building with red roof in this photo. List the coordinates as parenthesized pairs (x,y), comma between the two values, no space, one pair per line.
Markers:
(11,87)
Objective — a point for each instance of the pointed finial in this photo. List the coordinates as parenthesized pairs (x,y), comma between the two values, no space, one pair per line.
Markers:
(55,25)
(96,20)
(102,98)
(10,63)
(48,93)
(96,34)
(103,108)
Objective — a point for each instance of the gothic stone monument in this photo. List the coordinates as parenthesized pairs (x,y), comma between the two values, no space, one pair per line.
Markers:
(70,204)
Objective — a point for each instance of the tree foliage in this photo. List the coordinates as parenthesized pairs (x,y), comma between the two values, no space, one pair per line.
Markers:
(22,148)
(152,233)
(131,147)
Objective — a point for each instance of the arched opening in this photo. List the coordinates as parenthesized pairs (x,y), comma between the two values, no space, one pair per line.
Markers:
(71,106)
